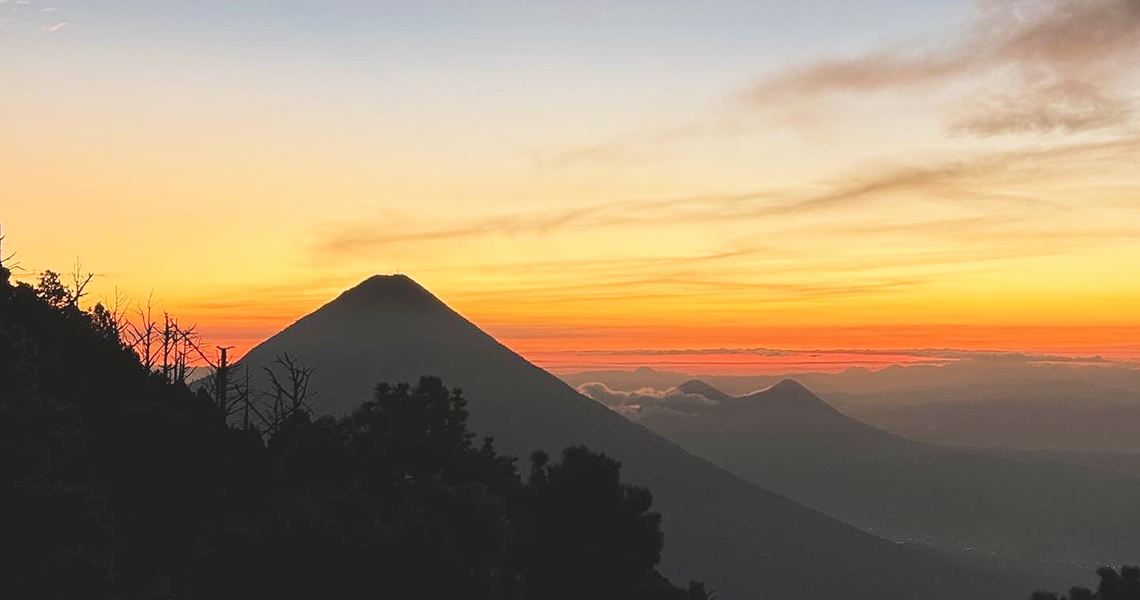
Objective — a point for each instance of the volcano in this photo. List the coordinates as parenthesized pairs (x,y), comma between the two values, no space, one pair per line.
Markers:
(742,540)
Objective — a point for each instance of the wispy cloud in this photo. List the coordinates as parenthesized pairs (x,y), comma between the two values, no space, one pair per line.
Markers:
(1065,107)
(680,284)
(638,147)
(975,183)
(1027,66)
(954,218)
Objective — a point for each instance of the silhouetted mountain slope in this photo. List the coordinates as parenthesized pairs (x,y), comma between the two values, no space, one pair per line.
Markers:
(786,402)
(1083,420)
(1121,463)
(1049,515)
(117,481)
(744,541)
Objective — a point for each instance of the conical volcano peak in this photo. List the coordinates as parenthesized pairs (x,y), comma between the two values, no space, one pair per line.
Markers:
(395,281)
(388,291)
(791,399)
(790,386)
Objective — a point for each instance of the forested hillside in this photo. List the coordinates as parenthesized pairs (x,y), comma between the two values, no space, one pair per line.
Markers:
(117,480)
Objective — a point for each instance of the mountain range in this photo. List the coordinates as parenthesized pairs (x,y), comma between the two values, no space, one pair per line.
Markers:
(743,540)
(1048,516)
(1009,402)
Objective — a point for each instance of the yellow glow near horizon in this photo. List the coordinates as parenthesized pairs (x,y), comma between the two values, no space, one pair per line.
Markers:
(566,202)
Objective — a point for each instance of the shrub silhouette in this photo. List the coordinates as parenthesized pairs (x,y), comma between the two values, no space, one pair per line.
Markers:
(592,536)
(1114,585)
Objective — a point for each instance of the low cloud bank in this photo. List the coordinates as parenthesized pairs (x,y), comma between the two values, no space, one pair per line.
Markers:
(646,402)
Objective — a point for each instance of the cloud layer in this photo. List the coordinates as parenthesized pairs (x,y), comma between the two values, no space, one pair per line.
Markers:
(646,402)
(943,353)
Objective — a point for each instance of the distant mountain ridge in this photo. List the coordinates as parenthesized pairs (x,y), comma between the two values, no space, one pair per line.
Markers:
(744,541)
(1046,515)
(788,399)
(983,402)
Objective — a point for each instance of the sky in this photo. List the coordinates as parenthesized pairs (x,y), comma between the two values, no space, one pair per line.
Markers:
(594,183)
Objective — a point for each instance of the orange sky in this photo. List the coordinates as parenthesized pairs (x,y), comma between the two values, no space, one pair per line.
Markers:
(678,175)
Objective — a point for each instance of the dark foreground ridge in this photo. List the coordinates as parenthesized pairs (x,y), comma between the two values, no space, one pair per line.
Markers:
(119,481)
(744,541)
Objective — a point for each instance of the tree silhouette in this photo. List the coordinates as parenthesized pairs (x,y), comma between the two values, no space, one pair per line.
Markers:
(593,536)
(289,395)
(1114,585)
(52,290)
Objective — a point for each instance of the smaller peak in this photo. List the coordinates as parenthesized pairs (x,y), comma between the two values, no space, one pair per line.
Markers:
(645,370)
(791,401)
(790,385)
(787,390)
(700,388)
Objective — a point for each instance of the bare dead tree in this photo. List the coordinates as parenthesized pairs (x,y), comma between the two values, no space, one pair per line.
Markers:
(222,386)
(79,281)
(6,260)
(186,351)
(141,335)
(169,348)
(169,336)
(290,391)
(245,391)
(118,307)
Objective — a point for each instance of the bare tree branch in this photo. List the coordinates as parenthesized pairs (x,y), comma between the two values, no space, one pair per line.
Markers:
(79,282)
(290,394)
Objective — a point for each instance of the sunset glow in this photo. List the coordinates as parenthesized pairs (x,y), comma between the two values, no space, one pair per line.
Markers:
(717,175)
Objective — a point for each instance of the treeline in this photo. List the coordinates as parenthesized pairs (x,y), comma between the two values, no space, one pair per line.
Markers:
(1114,585)
(118,480)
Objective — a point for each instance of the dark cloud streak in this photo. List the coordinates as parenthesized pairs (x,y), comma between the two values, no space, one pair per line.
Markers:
(1062,64)
(962,182)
